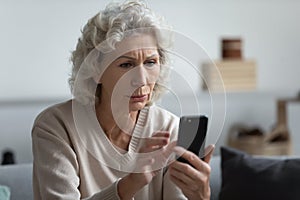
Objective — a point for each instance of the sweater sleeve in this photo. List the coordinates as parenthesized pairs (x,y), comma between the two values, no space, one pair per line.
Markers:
(55,169)
(55,166)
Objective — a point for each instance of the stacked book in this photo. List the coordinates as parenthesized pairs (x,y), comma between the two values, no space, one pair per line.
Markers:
(229,74)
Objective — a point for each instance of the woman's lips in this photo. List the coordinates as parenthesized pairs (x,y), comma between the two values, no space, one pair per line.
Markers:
(139,98)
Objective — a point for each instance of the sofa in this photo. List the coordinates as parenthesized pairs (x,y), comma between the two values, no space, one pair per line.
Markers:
(242,177)
(19,179)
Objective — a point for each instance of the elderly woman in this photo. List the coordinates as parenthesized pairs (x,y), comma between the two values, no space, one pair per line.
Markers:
(111,141)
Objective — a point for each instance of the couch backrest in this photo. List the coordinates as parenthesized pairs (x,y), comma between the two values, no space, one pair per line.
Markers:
(19,179)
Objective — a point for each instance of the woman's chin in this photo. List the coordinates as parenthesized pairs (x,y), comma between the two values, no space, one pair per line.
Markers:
(136,106)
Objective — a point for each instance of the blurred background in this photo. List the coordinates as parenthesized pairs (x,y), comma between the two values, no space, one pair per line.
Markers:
(37,37)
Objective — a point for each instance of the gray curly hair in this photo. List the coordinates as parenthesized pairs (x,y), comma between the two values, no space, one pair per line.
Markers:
(110,25)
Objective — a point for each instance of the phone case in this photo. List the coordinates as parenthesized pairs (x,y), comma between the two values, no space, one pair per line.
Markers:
(195,127)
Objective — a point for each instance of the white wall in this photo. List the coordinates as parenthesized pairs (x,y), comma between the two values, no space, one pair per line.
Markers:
(37,36)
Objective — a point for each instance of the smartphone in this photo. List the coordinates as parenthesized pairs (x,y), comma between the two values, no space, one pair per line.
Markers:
(192,134)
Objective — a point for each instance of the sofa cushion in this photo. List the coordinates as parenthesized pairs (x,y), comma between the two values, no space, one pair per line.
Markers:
(251,177)
(19,180)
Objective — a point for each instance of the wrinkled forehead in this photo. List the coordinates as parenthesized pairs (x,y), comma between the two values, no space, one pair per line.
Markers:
(134,43)
(146,53)
(130,45)
(137,41)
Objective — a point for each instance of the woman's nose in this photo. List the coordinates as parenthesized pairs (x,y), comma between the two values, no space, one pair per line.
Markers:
(139,76)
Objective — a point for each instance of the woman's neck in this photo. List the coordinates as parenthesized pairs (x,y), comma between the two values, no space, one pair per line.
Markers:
(111,127)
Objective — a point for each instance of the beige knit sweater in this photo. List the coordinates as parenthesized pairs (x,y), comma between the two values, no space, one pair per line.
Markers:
(73,159)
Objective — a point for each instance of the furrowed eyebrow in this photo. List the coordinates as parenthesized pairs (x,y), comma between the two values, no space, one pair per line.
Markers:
(132,58)
(128,57)
(153,55)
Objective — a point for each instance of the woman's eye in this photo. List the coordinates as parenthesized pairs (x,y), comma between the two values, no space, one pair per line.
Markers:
(126,65)
(150,63)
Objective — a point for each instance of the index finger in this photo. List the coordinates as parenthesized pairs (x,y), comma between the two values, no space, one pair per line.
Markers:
(193,159)
(161,134)
(209,152)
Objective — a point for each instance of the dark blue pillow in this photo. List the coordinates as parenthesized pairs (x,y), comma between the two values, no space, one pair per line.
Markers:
(258,178)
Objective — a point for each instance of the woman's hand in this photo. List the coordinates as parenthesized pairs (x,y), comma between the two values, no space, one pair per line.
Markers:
(193,181)
(133,182)
(157,141)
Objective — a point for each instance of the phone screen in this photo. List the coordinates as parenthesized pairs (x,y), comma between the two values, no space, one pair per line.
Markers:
(192,134)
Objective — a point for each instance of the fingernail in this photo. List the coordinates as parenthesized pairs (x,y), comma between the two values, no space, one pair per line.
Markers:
(210,147)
